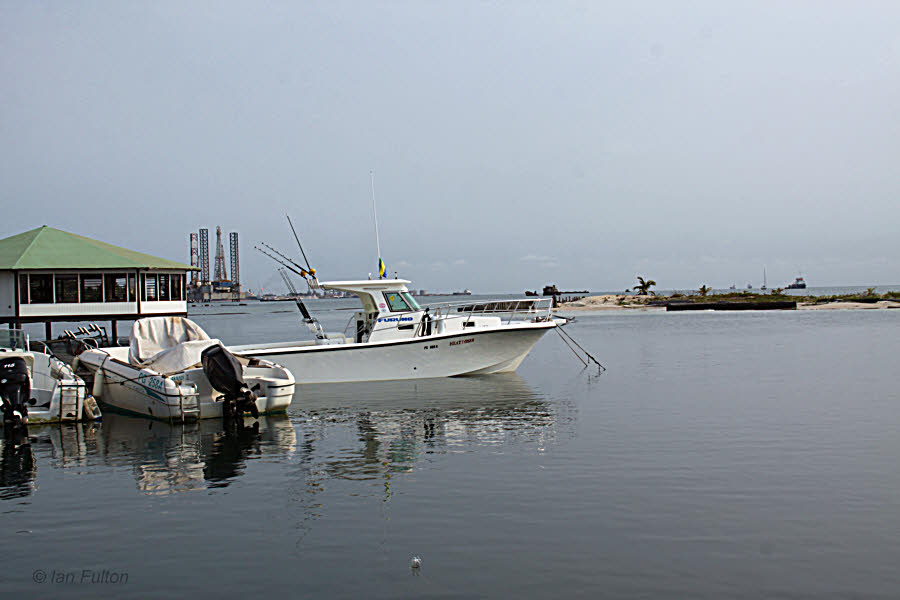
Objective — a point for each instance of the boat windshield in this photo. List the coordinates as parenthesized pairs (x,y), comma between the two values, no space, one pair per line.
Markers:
(401,301)
(14,339)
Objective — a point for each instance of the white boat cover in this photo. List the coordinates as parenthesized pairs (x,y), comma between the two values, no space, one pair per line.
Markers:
(167,345)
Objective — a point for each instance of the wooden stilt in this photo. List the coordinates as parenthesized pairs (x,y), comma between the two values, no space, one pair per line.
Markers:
(48,331)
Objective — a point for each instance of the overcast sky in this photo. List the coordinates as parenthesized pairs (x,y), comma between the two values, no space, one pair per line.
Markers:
(514,144)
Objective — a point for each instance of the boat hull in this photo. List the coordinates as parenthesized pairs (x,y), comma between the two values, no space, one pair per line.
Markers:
(142,392)
(474,352)
(57,394)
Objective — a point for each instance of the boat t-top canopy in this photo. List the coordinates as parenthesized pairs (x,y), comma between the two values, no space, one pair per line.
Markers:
(367,285)
(378,295)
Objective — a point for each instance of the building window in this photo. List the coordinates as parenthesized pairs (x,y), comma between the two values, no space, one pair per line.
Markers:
(23,289)
(91,288)
(116,290)
(163,288)
(177,287)
(132,297)
(150,287)
(40,289)
(66,288)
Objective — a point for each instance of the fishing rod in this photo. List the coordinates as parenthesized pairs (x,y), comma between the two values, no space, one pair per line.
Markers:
(296,237)
(314,326)
(301,273)
(310,277)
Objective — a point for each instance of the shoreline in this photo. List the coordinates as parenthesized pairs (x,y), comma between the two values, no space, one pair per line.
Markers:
(630,302)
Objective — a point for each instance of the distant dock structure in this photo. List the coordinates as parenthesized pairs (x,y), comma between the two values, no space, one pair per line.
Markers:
(218,287)
(48,275)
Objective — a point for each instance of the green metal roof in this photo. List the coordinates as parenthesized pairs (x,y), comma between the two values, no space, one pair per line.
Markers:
(49,248)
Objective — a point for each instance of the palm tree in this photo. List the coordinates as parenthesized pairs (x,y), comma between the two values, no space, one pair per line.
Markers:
(704,290)
(643,286)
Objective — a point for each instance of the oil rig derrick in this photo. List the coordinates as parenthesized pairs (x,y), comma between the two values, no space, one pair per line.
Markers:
(219,286)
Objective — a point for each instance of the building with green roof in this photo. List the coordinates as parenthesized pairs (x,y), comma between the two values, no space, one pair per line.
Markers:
(48,275)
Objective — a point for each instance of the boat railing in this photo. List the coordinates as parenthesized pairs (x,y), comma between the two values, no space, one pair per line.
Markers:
(517,309)
(526,309)
(42,347)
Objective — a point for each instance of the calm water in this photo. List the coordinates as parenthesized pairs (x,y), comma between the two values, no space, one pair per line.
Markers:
(721,455)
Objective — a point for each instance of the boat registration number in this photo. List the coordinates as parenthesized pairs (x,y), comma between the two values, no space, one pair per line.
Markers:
(465,341)
(151,381)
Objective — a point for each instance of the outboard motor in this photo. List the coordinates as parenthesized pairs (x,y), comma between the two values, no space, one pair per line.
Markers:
(225,374)
(15,389)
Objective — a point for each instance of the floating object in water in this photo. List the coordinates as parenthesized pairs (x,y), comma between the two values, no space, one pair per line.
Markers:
(416,562)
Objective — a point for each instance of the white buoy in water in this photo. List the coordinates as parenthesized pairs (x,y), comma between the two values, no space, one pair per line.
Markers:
(416,562)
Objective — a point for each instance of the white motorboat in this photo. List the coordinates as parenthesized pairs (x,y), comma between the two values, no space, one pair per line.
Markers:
(173,371)
(392,337)
(37,387)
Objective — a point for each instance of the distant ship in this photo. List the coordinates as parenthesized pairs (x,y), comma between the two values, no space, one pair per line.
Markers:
(798,284)
(551,290)
(462,293)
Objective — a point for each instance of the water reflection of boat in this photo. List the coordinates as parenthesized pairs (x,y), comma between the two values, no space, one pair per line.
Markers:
(17,470)
(170,458)
(165,458)
(70,444)
(396,422)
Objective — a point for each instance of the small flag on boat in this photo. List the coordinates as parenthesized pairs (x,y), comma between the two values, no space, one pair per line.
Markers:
(381,269)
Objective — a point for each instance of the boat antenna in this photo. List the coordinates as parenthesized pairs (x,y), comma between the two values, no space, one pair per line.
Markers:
(381,269)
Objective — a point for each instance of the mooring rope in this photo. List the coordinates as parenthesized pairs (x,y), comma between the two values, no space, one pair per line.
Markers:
(578,356)
(563,335)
